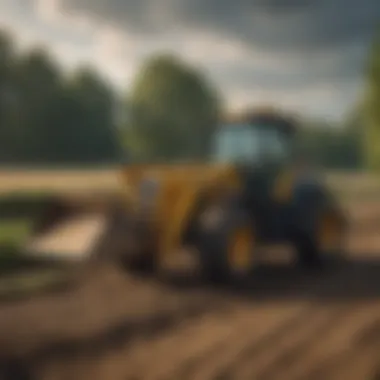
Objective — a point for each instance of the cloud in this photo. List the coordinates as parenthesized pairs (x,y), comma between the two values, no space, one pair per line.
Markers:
(305,54)
(256,46)
(271,24)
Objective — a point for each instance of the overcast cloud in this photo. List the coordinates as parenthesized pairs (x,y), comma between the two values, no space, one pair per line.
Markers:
(302,54)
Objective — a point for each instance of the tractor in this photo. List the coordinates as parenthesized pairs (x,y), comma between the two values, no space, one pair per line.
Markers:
(255,190)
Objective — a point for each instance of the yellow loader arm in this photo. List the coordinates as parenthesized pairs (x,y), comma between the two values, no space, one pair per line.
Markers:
(167,196)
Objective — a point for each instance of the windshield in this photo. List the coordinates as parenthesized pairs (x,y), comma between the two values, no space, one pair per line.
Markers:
(250,143)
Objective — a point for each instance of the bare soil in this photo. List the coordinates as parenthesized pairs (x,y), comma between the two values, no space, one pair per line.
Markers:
(281,323)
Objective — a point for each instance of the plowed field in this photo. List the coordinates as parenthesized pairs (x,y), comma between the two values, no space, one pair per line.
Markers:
(280,324)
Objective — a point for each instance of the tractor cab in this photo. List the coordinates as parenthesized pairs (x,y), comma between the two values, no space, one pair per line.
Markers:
(248,196)
(261,146)
(262,139)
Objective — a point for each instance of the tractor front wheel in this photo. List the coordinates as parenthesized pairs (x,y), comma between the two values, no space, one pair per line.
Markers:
(225,245)
(307,251)
(324,242)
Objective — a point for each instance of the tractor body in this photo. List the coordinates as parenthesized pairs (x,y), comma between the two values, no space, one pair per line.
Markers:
(254,191)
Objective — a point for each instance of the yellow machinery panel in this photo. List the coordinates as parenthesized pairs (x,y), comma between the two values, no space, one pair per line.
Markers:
(173,194)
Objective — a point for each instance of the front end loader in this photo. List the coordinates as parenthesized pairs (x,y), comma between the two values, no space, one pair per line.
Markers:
(253,192)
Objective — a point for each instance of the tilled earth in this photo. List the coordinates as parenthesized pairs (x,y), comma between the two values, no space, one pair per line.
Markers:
(280,324)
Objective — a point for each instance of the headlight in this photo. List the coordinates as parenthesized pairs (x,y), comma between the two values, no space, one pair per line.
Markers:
(148,191)
(212,217)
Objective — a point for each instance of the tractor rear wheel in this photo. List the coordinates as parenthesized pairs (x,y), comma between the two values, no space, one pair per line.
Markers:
(307,251)
(324,242)
(225,246)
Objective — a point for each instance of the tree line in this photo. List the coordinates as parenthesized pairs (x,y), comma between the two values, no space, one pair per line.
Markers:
(50,117)
(371,108)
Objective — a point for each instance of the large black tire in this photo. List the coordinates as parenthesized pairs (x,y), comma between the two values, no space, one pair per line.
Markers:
(212,257)
(145,262)
(308,250)
(308,254)
(213,247)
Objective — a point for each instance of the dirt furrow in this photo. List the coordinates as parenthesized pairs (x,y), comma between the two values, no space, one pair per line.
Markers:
(330,350)
(278,327)
(267,363)
(177,345)
(352,365)
(130,360)
(261,328)
(56,335)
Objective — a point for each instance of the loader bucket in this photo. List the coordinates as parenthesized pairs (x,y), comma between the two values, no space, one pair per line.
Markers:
(69,229)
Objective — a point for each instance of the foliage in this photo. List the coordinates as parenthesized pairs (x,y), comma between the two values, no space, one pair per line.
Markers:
(46,117)
(372,108)
(173,111)
(333,146)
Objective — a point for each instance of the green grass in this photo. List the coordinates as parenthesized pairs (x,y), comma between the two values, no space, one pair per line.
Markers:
(29,283)
(24,205)
(14,231)
(21,276)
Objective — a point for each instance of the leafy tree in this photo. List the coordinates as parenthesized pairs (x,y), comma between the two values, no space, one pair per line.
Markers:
(331,145)
(38,86)
(354,132)
(7,56)
(372,108)
(88,118)
(47,118)
(173,111)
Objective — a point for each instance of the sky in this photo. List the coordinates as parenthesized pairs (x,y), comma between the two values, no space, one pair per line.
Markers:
(303,55)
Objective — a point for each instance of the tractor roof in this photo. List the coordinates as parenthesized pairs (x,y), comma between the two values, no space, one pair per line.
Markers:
(266,115)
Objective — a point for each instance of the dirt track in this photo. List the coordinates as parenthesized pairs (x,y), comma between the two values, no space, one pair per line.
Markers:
(282,324)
